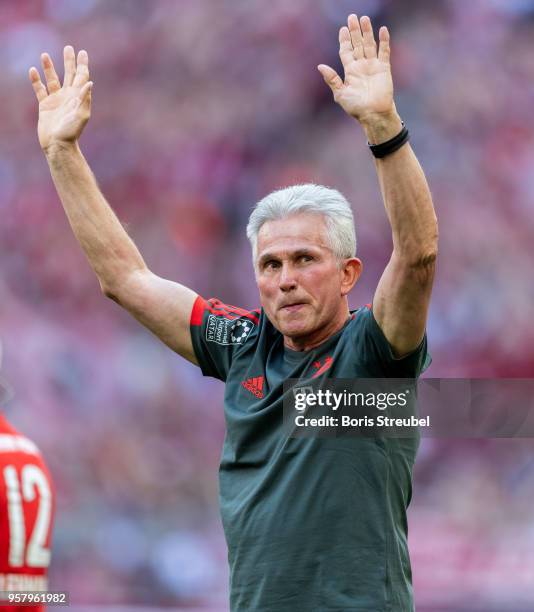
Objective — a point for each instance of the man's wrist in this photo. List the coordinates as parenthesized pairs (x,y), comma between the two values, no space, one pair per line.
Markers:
(59,148)
(381,127)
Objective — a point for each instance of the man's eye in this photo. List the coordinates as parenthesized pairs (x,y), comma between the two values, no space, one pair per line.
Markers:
(306,258)
(271,265)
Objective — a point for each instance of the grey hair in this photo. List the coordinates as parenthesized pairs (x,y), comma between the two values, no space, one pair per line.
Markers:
(302,199)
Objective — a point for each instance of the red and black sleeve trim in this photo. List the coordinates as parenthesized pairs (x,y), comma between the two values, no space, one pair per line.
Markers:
(198,311)
(216,307)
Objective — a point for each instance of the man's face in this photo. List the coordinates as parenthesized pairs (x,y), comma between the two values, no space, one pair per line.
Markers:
(302,287)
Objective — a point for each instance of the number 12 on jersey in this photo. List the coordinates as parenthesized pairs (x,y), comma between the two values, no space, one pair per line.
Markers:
(32,483)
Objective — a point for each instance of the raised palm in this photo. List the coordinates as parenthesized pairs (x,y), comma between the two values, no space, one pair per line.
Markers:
(63,109)
(368,87)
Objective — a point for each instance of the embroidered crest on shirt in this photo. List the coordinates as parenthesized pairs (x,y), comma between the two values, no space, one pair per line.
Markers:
(227,331)
(322,367)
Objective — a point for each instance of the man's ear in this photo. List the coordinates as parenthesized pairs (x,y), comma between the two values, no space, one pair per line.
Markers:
(350,273)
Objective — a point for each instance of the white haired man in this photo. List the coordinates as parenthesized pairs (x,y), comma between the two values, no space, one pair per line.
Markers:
(310,524)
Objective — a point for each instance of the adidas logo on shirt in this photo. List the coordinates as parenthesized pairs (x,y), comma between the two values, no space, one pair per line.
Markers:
(254,385)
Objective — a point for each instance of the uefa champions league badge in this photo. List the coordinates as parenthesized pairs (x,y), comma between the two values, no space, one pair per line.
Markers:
(228,331)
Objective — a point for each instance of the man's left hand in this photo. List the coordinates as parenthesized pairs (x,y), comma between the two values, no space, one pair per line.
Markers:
(367,92)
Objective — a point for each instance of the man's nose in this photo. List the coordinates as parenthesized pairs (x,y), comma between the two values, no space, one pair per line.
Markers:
(288,279)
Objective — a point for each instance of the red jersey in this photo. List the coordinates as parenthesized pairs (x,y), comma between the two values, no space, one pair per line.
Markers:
(26,512)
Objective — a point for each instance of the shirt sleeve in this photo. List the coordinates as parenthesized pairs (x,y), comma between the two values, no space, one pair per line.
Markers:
(377,353)
(218,332)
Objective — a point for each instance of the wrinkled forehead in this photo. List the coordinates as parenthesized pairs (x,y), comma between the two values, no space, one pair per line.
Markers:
(300,231)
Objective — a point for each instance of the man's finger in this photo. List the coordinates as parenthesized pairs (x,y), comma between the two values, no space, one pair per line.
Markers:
(369,43)
(52,80)
(69,60)
(85,93)
(37,84)
(331,77)
(383,49)
(356,36)
(82,69)
(345,47)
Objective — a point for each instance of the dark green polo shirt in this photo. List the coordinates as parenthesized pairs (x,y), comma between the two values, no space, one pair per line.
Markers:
(312,524)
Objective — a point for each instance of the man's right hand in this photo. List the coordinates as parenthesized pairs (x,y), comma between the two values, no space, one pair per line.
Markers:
(63,110)
(162,306)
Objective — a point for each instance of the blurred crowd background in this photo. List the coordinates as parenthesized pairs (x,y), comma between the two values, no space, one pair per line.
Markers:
(200,108)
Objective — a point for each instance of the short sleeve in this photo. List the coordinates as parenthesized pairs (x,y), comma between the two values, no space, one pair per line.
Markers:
(218,331)
(377,354)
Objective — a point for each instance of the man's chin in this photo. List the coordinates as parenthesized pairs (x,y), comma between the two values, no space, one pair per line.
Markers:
(292,325)
(294,328)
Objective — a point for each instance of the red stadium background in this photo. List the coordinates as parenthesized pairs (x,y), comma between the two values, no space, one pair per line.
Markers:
(200,108)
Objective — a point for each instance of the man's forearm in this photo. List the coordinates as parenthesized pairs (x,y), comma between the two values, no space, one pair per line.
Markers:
(406,194)
(110,251)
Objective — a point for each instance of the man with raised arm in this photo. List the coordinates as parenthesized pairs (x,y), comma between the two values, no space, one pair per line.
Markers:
(311,524)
